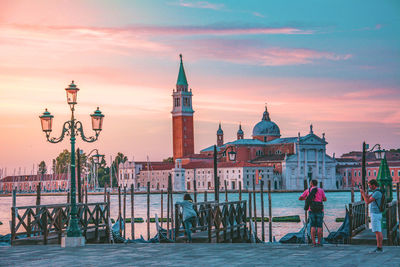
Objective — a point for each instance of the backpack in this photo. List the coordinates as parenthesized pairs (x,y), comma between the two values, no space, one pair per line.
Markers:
(383,200)
(314,206)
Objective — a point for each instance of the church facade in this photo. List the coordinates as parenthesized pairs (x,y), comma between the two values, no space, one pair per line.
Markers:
(295,159)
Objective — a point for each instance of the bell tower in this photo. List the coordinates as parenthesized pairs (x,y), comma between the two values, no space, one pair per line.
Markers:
(220,136)
(182,117)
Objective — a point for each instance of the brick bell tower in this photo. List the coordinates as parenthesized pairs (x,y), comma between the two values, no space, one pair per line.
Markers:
(182,117)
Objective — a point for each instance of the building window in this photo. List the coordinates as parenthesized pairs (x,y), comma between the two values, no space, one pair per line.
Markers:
(392,172)
(374,173)
(369,173)
(359,173)
(355,174)
(398,173)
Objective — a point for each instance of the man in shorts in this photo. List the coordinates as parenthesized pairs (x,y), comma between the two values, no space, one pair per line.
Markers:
(374,202)
(316,218)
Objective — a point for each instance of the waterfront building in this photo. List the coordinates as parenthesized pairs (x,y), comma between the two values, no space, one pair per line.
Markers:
(350,164)
(29,183)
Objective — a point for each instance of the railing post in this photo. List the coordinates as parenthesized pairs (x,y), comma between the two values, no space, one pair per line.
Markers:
(176,234)
(59,222)
(270,211)
(209,222)
(162,207)
(350,222)
(97,235)
(45,232)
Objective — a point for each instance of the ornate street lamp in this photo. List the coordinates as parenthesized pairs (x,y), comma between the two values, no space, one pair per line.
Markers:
(96,160)
(232,157)
(72,128)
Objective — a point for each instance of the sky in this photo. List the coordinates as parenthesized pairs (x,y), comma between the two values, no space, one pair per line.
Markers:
(334,64)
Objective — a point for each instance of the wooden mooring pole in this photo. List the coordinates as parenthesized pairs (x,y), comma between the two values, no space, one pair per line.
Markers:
(269,211)
(305,212)
(168,205)
(226,190)
(255,206)
(13,214)
(398,202)
(262,210)
(125,212)
(250,218)
(162,207)
(205,196)
(148,210)
(352,195)
(119,211)
(132,212)
(108,217)
(240,190)
(195,189)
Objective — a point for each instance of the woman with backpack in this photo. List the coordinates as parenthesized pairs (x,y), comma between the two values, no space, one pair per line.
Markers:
(189,215)
(377,205)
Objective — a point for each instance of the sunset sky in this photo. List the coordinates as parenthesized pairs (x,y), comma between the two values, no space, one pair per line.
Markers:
(335,64)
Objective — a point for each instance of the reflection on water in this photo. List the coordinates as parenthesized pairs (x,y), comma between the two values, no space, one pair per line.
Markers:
(282,204)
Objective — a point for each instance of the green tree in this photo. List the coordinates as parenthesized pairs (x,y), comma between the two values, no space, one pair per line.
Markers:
(63,161)
(169,159)
(120,158)
(42,168)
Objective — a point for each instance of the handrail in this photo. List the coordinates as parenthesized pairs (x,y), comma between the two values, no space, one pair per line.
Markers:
(216,217)
(54,218)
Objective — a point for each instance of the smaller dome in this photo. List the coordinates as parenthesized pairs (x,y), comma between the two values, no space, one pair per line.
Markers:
(240,131)
(220,132)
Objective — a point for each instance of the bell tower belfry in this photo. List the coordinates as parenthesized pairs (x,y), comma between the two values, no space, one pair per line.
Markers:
(182,117)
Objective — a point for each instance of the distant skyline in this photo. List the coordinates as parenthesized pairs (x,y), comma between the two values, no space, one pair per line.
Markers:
(333,64)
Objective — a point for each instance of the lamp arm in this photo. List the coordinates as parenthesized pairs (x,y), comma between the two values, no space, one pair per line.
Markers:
(65,130)
(372,149)
(79,130)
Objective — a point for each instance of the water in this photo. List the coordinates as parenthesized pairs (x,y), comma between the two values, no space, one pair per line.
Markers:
(283,204)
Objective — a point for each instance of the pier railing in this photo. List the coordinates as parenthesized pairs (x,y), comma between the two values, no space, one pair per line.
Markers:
(223,221)
(41,221)
(391,223)
(357,218)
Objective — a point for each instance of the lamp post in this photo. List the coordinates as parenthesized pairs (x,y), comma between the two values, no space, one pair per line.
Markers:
(96,160)
(72,128)
(232,157)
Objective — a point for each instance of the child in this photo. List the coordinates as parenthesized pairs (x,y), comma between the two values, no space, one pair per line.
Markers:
(189,215)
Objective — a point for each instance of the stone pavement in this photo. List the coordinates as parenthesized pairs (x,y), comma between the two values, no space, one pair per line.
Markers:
(198,255)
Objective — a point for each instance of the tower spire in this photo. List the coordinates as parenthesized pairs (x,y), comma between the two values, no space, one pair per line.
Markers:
(181,76)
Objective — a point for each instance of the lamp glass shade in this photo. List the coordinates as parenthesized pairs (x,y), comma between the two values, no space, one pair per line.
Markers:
(232,155)
(46,120)
(72,93)
(380,153)
(97,120)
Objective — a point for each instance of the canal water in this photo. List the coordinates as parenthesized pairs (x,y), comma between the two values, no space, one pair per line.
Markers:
(283,204)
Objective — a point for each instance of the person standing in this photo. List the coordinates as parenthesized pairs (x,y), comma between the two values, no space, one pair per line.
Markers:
(314,198)
(374,201)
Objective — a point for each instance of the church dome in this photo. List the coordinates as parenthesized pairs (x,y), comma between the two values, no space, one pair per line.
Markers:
(266,127)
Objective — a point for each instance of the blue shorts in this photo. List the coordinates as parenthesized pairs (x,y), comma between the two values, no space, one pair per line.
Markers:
(316,219)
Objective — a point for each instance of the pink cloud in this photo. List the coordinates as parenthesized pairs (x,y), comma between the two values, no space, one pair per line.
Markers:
(249,53)
(199,4)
